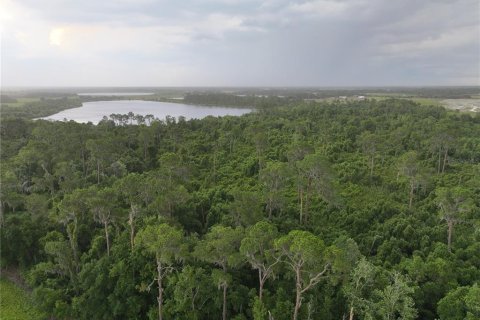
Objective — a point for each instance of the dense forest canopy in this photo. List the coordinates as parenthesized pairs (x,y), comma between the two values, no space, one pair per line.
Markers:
(361,209)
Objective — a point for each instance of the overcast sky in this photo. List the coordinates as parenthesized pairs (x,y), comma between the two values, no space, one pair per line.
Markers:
(240,42)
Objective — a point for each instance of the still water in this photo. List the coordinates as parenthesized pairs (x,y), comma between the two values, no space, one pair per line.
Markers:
(94,111)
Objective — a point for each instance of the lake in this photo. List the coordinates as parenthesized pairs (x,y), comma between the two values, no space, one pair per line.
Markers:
(111,94)
(94,111)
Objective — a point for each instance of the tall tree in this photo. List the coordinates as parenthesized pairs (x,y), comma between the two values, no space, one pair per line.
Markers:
(454,203)
(315,178)
(221,247)
(246,208)
(167,244)
(359,286)
(410,168)
(257,247)
(131,187)
(308,258)
(369,144)
(273,178)
(102,204)
(70,210)
(395,301)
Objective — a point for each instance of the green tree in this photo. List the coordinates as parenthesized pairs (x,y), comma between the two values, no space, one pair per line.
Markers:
(273,179)
(395,301)
(131,188)
(70,209)
(102,204)
(167,244)
(358,288)
(257,247)
(221,247)
(416,175)
(308,258)
(245,208)
(369,143)
(315,177)
(454,203)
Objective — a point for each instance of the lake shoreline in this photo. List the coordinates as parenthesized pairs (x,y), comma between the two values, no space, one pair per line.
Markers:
(95,111)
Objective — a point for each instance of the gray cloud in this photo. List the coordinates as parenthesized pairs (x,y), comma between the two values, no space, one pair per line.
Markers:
(232,42)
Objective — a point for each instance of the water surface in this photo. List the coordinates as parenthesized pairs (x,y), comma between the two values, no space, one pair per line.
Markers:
(95,111)
(116,94)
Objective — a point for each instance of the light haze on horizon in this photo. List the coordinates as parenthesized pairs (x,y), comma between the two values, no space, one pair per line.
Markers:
(240,43)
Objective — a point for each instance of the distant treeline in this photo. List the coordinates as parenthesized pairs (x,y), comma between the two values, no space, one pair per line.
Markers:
(37,109)
(237,100)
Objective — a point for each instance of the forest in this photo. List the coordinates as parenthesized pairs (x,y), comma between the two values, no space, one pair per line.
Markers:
(311,210)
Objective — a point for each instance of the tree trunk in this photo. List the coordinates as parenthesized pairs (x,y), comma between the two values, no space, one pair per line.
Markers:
(439,161)
(84,166)
(445,158)
(1,213)
(98,172)
(214,167)
(450,232)
(160,289)
(131,222)
(372,164)
(132,232)
(301,205)
(224,312)
(412,190)
(261,283)
(298,304)
(73,242)
(144,150)
(298,298)
(351,314)
(105,225)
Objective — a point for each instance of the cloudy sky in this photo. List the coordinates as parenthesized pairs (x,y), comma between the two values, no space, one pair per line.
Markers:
(239,42)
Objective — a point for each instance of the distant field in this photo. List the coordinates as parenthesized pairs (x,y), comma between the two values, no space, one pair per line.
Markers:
(15,304)
(462,104)
(20,102)
(426,101)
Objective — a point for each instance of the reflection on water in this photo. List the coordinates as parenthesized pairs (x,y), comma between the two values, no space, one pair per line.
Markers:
(114,94)
(95,111)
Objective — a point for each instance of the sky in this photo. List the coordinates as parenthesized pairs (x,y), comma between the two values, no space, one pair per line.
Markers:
(240,43)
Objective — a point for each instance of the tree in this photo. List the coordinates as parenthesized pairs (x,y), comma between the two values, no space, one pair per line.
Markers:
(273,178)
(193,289)
(315,175)
(167,244)
(308,258)
(454,203)
(245,208)
(131,187)
(416,175)
(69,210)
(441,144)
(360,284)
(395,301)
(168,198)
(102,204)
(220,247)
(368,142)
(257,247)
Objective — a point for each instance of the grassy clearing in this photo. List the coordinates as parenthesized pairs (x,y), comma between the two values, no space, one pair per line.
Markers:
(421,101)
(21,102)
(15,303)
(426,101)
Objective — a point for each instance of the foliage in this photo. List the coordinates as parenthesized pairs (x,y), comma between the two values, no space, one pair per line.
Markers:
(306,208)
(16,303)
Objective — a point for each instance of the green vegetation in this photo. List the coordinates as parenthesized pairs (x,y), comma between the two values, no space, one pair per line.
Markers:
(15,304)
(35,107)
(361,209)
